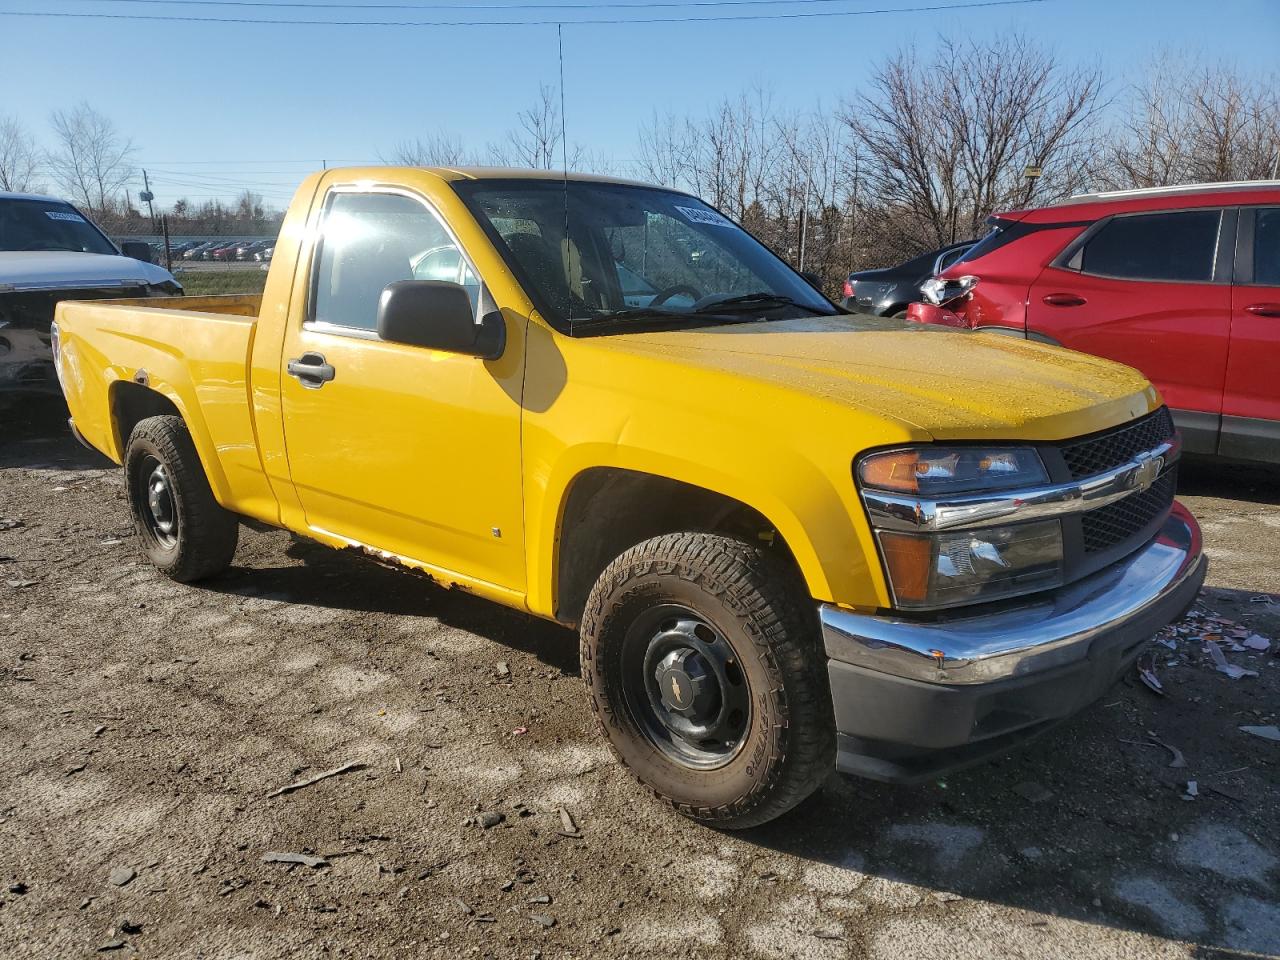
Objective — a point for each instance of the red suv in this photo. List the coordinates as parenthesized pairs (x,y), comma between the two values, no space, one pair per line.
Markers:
(1181,282)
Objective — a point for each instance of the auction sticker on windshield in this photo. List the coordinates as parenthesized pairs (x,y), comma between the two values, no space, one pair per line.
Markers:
(69,217)
(709,217)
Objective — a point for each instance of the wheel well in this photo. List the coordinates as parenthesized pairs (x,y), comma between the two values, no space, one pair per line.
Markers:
(610,510)
(131,403)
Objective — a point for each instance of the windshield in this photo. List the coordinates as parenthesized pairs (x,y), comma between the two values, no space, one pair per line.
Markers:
(633,256)
(48,225)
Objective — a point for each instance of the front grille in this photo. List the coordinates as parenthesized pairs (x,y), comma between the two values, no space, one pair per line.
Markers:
(1084,458)
(1116,522)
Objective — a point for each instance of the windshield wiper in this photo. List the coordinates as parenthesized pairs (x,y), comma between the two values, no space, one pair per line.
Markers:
(643,316)
(763,300)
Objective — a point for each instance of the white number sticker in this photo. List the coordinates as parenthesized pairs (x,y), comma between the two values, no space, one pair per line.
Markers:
(709,217)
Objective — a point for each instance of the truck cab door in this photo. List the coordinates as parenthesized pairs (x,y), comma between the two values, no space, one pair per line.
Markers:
(1251,401)
(1150,290)
(401,449)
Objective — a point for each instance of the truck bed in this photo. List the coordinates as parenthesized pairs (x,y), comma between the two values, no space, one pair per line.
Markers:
(195,352)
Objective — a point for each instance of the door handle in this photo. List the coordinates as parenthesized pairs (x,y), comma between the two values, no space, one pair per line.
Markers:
(1264,309)
(311,370)
(1063,300)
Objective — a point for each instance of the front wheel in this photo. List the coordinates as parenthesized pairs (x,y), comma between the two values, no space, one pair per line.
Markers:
(701,657)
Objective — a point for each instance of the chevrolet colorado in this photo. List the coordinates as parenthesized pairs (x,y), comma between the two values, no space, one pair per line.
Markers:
(791,539)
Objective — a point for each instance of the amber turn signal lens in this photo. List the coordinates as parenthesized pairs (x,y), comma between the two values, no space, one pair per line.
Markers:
(909,560)
(892,471)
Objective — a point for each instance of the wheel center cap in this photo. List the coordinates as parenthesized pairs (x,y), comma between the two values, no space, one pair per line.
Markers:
(677,689)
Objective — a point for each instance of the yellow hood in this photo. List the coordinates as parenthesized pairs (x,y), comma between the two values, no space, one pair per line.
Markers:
(951,384)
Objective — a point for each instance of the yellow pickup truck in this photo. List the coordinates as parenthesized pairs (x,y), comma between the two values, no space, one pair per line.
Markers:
(792,539)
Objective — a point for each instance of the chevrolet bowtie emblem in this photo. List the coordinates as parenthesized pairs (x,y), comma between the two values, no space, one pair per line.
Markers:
(675,689)
(1147,472)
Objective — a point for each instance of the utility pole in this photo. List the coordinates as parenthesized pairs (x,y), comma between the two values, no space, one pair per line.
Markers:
(146,196)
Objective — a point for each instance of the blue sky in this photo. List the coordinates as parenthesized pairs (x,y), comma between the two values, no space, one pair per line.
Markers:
(262,104)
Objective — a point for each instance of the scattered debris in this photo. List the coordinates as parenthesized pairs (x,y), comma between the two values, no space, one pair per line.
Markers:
(302,858)
(337,771)
(568,828)
(502,670)
(828,934)
(467,909)
(100,730)
(946,896)
(540,899)
(1178,760)
(18,888)
(543,920)
(128,926)
(21,584)
(1256,642)
(1192,791)
(519,731)
(111,945)
(1220,662)
(8,523)
(399,766)
(119,876)
(1271,732)
(1147,673)
(491,818)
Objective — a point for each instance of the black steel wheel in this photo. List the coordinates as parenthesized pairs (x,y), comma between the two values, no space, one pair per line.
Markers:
(701,655)
(182,528)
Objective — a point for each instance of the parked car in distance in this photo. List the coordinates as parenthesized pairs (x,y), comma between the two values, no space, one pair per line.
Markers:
(791,538)
(1181,282)
(248,248)
(195,253)
(887,291)
(49,252)
(264,255)
(225,253)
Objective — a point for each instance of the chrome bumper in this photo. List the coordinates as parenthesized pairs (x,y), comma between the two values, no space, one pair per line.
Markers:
(1134,596)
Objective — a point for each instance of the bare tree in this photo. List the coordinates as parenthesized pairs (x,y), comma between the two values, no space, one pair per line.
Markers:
(1187,123)
(19,157)
(91,161)
(946,140)
(535,141)
(435,150)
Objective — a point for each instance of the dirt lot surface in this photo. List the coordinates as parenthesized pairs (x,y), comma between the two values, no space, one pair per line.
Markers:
(144,726)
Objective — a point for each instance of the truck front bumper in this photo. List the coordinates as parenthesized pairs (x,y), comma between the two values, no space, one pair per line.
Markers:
(917,698)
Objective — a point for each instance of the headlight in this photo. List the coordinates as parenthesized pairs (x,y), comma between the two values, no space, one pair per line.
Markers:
(969,566)
(938,291)
(934,471)
(956,560)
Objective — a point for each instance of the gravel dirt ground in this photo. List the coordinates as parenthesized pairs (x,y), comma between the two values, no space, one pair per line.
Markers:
(144,726)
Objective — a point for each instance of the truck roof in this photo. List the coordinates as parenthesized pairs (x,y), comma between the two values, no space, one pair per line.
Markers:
(523,173)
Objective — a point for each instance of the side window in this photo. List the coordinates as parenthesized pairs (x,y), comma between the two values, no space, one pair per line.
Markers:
(1266,247)
(1156,246)
(368,240)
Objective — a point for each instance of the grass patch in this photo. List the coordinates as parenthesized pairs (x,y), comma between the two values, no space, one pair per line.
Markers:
(212,283)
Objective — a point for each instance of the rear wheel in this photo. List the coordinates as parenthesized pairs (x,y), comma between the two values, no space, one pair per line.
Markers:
(183,529)
(701,656)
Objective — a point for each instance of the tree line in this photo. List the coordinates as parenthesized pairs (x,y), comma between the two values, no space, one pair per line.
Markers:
(919,157)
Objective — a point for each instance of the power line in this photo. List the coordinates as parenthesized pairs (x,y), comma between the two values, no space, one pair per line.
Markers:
(715,18)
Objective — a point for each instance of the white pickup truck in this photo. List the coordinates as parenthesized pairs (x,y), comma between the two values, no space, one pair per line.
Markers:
(50,251)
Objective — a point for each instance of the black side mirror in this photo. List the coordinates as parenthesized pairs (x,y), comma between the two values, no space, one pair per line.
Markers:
(438,315)
(137,249)
(814,280)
